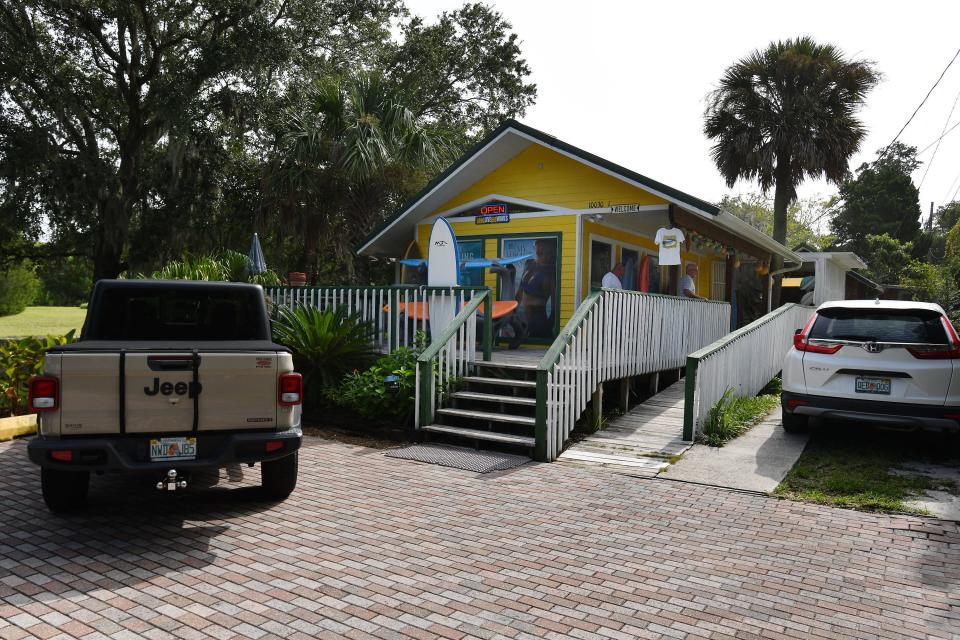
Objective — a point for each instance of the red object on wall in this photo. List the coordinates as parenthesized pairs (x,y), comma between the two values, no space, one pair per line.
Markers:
(644,279)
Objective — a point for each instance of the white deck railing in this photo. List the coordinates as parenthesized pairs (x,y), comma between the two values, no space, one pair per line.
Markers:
(396,312)
(615,334)
(745,360)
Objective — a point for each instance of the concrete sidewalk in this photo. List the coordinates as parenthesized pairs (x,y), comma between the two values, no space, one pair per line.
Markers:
(756,461)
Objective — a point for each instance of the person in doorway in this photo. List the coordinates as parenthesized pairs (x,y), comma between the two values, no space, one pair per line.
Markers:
(611,279)
(537,289)
(688,283)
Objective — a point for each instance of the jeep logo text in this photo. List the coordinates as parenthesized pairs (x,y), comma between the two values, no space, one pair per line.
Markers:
(170,388)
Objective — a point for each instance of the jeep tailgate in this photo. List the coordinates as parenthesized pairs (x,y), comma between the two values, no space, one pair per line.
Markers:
(233,391)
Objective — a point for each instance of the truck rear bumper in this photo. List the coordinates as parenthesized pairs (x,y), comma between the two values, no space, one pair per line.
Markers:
(132,454)
(883,414)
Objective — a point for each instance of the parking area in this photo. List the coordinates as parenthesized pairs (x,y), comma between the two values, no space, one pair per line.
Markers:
(374,547)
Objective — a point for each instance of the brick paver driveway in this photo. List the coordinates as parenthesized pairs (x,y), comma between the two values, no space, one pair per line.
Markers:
(373,546)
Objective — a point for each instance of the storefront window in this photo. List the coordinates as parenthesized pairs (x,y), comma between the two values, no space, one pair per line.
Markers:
(471,250)
(536,288)
(601,260)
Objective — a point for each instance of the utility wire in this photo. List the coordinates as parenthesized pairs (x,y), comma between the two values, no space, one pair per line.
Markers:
(919,106)
(942,133)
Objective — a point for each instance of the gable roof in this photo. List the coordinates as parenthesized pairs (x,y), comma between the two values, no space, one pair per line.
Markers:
(503,143)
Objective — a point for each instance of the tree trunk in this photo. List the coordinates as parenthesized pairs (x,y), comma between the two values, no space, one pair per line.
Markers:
(113,222)
(781,199)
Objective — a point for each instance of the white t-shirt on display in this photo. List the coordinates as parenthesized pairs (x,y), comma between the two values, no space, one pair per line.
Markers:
(687,284)
(669,241)
(611,281)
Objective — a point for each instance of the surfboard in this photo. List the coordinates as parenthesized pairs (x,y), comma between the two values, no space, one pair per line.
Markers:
(443,270)
(409,271)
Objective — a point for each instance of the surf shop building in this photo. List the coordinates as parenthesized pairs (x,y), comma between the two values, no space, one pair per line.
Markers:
(521,192)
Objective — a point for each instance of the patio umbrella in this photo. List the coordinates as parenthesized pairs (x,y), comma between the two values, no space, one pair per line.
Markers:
(258,263)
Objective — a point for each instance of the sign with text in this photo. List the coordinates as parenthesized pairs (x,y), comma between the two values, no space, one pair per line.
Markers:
(493,213)
(625,208)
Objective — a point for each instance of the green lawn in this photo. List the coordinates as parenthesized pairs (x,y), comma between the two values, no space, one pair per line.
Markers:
(42,321)
(861,468)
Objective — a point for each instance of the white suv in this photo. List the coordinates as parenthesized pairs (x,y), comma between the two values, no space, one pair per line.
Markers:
(887,362)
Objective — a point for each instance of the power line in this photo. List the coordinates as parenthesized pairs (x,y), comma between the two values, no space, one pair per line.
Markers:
(942,133)
(919,106)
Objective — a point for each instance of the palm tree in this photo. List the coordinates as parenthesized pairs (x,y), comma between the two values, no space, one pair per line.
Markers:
(353,149)
(785,114)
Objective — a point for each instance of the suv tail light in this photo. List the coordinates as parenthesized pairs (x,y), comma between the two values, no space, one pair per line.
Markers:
(44,394)
(802,343)
(939,351)
(290,389)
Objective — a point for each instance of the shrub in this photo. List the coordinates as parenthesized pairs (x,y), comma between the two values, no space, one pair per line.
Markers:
(228,266)
(20,360)
(19,286)
(326,345)
(732,416)
(367,392)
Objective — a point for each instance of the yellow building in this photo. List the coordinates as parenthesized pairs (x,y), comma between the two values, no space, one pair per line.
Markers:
(520,191)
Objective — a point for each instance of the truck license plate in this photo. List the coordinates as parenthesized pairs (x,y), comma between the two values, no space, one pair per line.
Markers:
(873,385)
(173,449)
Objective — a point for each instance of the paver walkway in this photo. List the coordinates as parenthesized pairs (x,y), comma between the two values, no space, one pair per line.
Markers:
(374,547)
(639,442)
(756,461)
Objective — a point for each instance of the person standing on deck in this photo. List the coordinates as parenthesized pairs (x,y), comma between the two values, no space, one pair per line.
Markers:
(688,283)
(611,279)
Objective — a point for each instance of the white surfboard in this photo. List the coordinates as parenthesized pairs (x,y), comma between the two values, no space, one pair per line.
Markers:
(443,270)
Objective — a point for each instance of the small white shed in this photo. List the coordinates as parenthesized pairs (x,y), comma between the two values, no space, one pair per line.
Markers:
(830,272)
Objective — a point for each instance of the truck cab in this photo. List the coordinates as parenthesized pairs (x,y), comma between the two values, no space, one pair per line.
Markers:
(167,378)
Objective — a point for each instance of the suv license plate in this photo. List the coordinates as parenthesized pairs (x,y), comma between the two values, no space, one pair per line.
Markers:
(873,385)
(173,449)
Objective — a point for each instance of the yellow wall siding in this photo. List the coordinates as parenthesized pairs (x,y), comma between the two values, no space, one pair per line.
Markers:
(543,175)
(517,227)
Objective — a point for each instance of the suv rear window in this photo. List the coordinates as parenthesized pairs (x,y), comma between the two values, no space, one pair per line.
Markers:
(157,313)
(879,325)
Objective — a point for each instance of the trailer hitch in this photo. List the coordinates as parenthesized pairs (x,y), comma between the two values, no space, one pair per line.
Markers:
(171,482)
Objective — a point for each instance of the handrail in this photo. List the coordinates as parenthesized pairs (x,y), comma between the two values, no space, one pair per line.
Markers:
(461,332)
(615,334)
(768,338)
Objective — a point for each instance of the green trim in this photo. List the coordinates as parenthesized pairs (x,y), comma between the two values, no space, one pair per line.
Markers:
(689,391)
(548,141)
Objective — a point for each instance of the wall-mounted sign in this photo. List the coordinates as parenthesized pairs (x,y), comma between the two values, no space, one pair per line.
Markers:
(625,208)
(493,213)
(499,218)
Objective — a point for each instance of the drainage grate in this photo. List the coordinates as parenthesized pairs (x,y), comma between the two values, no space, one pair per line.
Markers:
(459,457)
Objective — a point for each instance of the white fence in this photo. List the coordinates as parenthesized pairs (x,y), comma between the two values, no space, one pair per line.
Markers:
(616,334)
(397,312)
(745,360)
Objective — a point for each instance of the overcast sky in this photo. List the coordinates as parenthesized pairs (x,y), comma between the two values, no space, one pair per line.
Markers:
(627,80)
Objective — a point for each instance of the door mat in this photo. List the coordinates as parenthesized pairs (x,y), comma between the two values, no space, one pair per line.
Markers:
(459,457)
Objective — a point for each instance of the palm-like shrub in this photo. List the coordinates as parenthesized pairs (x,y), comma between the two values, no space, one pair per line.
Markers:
(228,266)
(326,344)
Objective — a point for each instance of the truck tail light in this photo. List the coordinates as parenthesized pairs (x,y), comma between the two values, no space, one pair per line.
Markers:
(802,343)
(44,394)
(291,389)
(949,351)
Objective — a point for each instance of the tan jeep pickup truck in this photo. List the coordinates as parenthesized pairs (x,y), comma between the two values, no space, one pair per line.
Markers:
(168,377)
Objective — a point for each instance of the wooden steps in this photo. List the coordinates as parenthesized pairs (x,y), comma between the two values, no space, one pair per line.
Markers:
(526,384)
(492,397)
(479,434)
(487,416)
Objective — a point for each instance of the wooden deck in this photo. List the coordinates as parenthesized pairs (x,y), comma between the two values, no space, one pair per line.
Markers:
(640,442)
